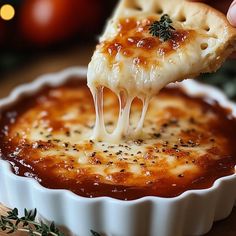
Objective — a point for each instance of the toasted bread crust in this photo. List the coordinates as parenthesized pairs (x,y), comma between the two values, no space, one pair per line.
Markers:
(196,15)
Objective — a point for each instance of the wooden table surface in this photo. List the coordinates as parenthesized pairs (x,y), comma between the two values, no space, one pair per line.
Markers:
(74,57)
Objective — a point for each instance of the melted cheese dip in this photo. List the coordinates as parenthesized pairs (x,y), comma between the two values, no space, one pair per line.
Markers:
(187,143)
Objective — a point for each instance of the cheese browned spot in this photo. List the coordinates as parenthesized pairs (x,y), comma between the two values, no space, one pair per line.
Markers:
(46,137)
(134,42)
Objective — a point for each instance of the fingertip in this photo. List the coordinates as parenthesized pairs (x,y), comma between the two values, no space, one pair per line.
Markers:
(231,15)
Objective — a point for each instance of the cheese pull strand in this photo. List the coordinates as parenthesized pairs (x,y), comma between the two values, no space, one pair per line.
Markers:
(123,129)
(139,127)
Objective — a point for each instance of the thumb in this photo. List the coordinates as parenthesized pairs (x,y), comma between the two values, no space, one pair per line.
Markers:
(232,13)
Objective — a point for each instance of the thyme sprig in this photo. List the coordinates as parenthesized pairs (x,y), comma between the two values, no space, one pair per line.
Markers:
(12,223)
(163,28)
(28,224)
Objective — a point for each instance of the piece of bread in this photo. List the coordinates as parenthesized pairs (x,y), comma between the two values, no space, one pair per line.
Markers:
(210,39)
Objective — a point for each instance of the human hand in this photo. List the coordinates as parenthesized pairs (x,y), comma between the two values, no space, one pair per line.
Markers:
(231,15)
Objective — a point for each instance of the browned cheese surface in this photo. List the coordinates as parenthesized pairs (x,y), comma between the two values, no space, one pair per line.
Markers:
(187,143)
(134,41)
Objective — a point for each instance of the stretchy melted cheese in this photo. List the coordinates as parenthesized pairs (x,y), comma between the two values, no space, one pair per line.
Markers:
(187,144)
(135,64)
(132,59)
(132,62)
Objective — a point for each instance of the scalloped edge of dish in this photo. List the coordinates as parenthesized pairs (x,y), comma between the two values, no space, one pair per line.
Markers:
(191,213)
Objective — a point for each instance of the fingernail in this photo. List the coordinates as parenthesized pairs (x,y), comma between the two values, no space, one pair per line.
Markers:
(232,15)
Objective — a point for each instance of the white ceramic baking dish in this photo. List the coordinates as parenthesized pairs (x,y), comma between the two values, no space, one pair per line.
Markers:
(191,213)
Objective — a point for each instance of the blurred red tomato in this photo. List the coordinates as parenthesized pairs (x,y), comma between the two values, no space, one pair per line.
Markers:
(47,21)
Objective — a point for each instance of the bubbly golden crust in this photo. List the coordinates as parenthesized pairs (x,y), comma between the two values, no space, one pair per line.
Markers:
(46,137)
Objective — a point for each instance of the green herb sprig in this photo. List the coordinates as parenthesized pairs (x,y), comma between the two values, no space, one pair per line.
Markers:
(162,29)
(12,223)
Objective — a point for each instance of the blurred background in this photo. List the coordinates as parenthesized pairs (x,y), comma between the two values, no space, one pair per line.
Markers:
(31,28)
(42,36)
